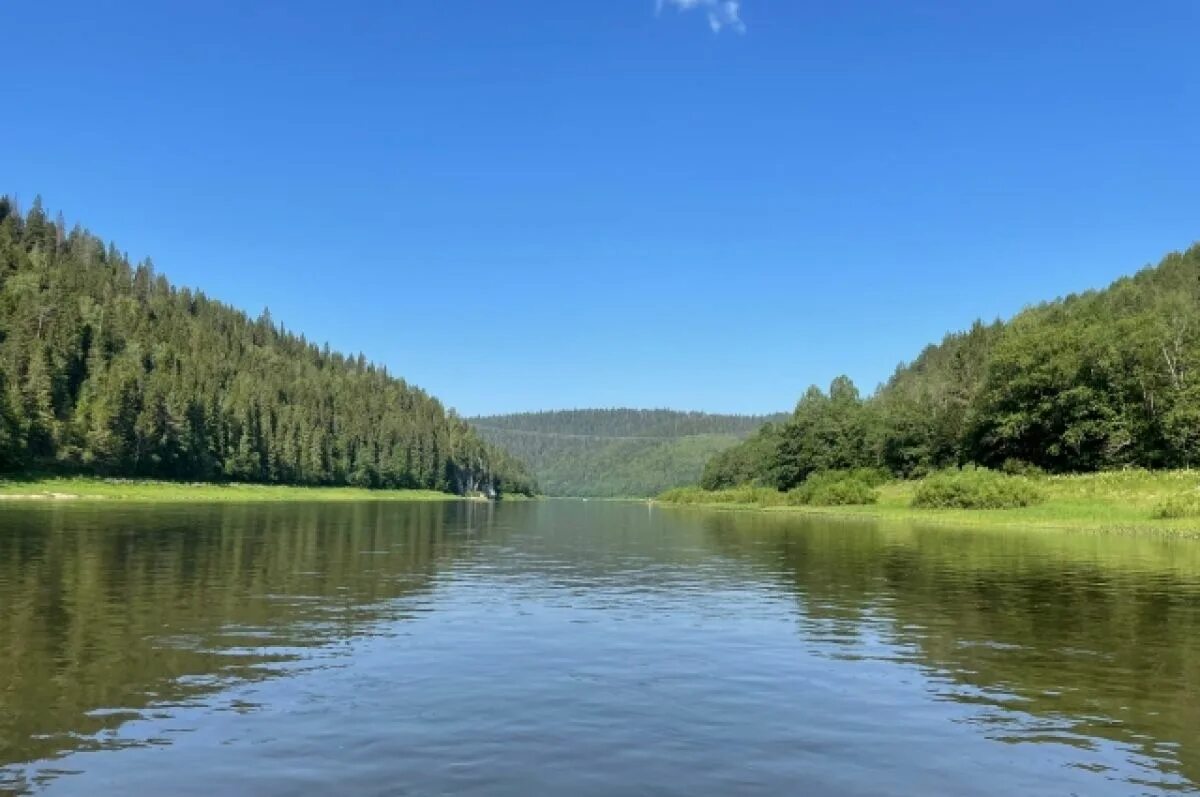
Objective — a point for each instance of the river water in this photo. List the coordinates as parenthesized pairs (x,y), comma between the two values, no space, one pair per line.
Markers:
(586,648)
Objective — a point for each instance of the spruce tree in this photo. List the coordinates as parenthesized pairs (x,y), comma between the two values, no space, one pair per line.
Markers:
(107,368)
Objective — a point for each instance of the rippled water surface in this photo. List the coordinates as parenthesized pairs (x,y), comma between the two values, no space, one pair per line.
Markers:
(586,649)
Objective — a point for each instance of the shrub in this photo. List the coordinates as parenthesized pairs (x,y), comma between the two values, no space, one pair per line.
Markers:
(975,488)
(838,488)
(744,495)
(1019,467)
(1183,505)
(872,477)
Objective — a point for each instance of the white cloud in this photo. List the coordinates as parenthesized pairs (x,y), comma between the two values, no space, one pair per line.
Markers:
(721,13)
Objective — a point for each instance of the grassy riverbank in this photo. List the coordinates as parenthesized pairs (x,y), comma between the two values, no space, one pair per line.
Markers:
(91,489)
(1115,501)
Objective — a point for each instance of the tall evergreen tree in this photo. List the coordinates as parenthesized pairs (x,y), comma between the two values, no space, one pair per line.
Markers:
(107,368)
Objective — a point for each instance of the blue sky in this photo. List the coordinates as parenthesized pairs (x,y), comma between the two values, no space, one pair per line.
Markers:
(568,203)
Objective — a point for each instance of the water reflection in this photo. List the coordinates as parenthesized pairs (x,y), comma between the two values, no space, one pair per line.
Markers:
(112,615)
(588,648)
(1067,639)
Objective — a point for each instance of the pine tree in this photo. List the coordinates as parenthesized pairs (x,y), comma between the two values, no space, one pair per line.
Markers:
(107,368)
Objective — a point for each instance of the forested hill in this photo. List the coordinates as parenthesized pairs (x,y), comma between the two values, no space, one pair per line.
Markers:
(1098,380)
(615,452)
(106,368)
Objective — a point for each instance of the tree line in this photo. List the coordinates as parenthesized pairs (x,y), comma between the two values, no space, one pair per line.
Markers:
(108,369)
(1099,380)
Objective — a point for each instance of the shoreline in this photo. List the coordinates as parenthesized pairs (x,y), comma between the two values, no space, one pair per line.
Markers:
(1110,503)
(17,491)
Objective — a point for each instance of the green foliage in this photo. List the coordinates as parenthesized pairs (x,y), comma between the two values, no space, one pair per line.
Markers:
(106,368)
(1016,467)
(747,463)
(1101,380)
(826,432)
(10,439)
(920,415)
(1183,505)
(1124,500)
(616,452)
(872,477)
(975,488)
(744,495)
(826,488)
(838,488)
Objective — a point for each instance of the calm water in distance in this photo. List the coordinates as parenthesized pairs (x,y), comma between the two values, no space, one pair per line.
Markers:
(571,648)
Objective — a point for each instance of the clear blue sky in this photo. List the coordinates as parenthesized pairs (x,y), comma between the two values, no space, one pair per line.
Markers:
(560,203)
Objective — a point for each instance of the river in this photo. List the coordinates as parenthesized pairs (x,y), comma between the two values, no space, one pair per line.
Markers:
(586,648)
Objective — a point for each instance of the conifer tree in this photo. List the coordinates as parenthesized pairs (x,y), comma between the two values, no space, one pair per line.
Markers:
(107,368)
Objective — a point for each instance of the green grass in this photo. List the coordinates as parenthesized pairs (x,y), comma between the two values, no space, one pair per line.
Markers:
(1181,505)
(93,489)
(1132,500)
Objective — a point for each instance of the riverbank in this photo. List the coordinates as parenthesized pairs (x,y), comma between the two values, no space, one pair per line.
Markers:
(134,490)
(1123,501)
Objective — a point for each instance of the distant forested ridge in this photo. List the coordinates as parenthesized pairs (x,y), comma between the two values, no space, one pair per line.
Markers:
(615,452)
(107,368)
(1098,380)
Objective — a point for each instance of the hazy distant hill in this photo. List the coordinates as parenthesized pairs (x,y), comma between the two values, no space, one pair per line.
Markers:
(616,452)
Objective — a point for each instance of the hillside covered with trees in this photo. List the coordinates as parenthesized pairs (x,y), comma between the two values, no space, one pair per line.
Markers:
(1099,380)
(615,452)
(106,368)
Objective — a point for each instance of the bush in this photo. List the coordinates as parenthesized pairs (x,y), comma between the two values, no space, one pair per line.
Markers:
(1019,467)
(975,488)
(872,477)
(838,488)
(827,488)
(744,495)
(1183,505)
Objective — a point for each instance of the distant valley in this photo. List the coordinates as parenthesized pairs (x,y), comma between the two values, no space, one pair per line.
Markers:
(616,452)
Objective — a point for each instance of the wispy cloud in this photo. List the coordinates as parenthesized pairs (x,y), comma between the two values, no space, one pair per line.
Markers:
(721,13)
